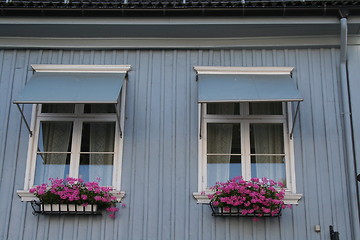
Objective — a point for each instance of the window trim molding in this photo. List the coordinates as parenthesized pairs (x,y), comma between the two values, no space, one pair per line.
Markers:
(244,70)
(81,68)
(26,196)
(290,198)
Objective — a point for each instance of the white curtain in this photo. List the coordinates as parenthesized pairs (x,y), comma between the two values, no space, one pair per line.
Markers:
(101,140)
(219,140)
(268,139)
(53,137)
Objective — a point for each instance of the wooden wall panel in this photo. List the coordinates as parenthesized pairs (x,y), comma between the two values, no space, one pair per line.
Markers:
(160,149)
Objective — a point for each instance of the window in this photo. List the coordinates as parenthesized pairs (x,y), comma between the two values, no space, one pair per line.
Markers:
(77,124)
(76,140)
(245,139)
(245,126)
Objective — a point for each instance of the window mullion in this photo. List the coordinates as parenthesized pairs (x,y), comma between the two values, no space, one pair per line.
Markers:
(79,109)
(245,138)
(75,149)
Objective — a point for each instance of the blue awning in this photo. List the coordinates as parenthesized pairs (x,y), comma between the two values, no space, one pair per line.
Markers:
(71,87)
(247,88)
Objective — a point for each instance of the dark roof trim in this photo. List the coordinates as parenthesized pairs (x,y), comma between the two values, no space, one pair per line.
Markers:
(178,7)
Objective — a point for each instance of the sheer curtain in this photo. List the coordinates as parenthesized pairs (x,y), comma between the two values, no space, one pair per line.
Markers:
(268,138)
(219,141)
(53,137)
(101,140)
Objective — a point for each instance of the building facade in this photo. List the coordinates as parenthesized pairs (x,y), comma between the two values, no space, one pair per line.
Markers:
(168,139)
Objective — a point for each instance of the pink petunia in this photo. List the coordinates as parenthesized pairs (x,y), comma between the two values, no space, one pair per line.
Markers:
(41,192)
(226,209)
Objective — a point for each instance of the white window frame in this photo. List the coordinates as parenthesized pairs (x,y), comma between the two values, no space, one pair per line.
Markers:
(245,120)
(37,116)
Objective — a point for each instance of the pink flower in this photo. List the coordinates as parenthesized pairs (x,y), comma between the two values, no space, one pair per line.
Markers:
(84,197)
(112,209)
(255,180)
(247,204)
(40,192)
(98,198)
(123,205)
(266,210)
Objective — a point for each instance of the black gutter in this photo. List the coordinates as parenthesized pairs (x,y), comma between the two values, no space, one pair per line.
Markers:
(177,8)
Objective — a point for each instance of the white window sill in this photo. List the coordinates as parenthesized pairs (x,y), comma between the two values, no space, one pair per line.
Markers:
(26,196)
(290,198)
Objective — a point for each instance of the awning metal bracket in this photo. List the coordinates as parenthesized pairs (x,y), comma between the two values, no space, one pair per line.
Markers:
(294,120)
(118,118)
(23,117)
(201,119)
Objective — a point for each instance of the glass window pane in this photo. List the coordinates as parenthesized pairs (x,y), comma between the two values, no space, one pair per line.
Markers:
(222,168)
(98,137)
(51,165)
(58,108)
(272,167)
(265,108)
(95,166)
(55,137)
(223,138)
(99,108)
(266,138)
(223,108)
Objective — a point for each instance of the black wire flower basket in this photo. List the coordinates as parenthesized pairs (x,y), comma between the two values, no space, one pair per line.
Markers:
(64,209)
(238,212)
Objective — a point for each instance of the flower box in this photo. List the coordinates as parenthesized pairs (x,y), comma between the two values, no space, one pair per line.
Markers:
(67,208)
(64,209)
(237,212)
(254,198)
(73,196)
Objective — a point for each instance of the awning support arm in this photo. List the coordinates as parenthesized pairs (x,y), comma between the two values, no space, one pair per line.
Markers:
(201,119)
(118,118)
(295,117)
(23,117)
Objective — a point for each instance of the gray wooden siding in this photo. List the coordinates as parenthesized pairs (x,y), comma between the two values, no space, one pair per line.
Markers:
(354,87)
(160,149)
